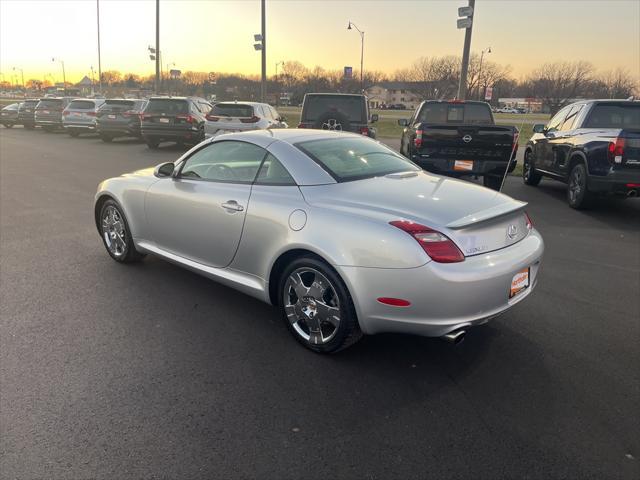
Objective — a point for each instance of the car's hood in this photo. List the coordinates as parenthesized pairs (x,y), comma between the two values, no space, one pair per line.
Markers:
(426,198)
(144,172)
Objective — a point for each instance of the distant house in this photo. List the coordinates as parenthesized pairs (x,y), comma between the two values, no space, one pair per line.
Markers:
(85,85)
(393,93)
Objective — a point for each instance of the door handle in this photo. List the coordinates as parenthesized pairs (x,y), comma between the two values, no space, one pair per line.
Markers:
(233,206)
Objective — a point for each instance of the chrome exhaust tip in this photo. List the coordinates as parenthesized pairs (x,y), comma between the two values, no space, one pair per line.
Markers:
(456,337)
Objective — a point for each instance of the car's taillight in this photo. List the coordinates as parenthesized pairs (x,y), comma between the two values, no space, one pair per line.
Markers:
(615,150)
(253,119)
(211,118)
(145,116)
(529,221)
(417,142)
(516,137)
(304,125)
(364,130)
(130,113)
(186,118)
(91,114)
(438,246)
(65,113)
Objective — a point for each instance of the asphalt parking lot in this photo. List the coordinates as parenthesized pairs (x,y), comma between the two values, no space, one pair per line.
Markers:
(150,371)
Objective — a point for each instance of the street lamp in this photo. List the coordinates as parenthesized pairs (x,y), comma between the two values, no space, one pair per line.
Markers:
(64,77)
(486,50)
(277,85)
(22,75)
(351,24)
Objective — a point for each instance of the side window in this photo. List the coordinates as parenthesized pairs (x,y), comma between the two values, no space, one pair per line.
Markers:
(571,118)
(556,121)
(227,161)
(204,107)
(264,112)
(195,107)
(274,113)
(273,172)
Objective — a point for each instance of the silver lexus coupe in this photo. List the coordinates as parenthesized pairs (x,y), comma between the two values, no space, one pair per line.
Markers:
(345,236)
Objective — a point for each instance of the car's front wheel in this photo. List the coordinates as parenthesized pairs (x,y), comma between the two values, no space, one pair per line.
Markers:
(316,306)
(152,143)
(8,125)
(116,235)
(578,194)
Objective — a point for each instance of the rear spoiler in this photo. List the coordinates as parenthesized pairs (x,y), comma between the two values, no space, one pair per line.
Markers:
(489,213)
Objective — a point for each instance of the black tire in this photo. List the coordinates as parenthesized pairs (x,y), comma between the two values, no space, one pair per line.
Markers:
(333,121)
(494,182)
(8,125)
(30,126)
(529,174)
(127,253)
(578,194)
(152,144)
(74,133)
(47,129)
(339,337)
(106,138)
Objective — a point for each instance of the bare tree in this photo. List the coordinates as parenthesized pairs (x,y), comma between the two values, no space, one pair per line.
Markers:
(557,83)
(293,72)
(481,76)
(435,77)
(618,83)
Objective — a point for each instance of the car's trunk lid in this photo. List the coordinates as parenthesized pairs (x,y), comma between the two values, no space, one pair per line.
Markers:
(478,219)
(466,142)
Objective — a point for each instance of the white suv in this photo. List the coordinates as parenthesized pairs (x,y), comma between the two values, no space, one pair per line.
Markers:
(227,117)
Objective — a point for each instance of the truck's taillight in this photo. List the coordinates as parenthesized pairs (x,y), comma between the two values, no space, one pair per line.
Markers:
(417,142)
(615,150)
(212,118)
(364,131)
(305,125)
(437,245)
(253,119)
(516,137)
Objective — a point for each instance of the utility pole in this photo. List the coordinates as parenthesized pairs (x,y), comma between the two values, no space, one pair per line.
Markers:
(466,23)
(99,58)
(263,82)
(277,84)
(351,24)
(157,46)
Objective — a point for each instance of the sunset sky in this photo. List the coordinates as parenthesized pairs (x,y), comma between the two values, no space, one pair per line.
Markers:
(217,35)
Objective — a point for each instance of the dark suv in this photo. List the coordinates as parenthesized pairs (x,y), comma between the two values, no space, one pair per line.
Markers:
(119,117)
(174,119)
(49,112)
(337,111)
(27,114)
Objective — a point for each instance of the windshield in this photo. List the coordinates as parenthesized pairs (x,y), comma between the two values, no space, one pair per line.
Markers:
(232,110)
(355,158)
(615,116)
(351,106)
(82,105)
(455,113)
(167,106)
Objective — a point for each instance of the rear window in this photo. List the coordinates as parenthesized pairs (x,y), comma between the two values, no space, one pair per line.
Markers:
(49,103)
(30,103)
(168,106)
(455,113)
(614,116)
(82,105)
(13,106)
(232,110)
(355,158)
(117,105)
(316,106)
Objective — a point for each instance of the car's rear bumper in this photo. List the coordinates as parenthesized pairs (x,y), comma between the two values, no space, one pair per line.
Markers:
(171,134)
(119,129)
(445,166)
(444,297)
(616,182)
(79,126)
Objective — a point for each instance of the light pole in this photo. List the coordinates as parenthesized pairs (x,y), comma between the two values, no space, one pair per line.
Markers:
(92,82)
(462,86)
(277,84)
(99,58)
(487,51)
(21,74)
(261,46)
(157,46)
(64,77)
(351,24)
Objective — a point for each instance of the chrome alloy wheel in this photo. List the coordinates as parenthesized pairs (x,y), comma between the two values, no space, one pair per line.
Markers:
(575,184)
(114,232)
(311,305)
(332,124)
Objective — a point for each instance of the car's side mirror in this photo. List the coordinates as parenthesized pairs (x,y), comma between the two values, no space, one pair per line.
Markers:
(403,122)
(538,128)
(164,170)
(374,118)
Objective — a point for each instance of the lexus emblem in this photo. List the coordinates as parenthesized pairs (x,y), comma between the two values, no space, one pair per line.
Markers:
(512,231)
(467,138)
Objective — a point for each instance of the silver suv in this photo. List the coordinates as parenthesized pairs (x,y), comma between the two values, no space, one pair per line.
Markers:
(80,115)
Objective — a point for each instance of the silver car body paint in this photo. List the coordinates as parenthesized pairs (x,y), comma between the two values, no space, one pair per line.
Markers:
(346,224)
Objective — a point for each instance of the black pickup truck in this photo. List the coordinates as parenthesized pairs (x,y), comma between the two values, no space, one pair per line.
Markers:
(458,138)
(593,146)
